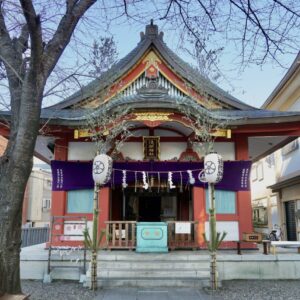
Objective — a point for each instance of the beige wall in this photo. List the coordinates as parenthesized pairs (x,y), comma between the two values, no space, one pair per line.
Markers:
(3,143)
(287,98)
(39,190)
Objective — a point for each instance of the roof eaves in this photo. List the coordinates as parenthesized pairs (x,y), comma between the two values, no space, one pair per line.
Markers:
(121,67)
(192,75)
(295,65)
(286,182)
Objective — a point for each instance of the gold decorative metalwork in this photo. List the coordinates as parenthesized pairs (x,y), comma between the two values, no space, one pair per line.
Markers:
(83,133)
(151,59)
(153,116)
(223,133)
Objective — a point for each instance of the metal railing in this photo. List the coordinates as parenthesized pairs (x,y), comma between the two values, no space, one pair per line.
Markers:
(34,235)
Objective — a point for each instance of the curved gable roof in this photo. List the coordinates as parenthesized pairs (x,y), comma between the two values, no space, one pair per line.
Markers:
(151,38)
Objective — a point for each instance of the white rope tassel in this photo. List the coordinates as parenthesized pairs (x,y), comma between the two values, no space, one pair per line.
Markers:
(191,178)
(146,185)
(170,180)
(135,181)
(124,183)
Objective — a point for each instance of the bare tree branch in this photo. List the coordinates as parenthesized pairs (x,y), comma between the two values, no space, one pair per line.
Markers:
(64,32)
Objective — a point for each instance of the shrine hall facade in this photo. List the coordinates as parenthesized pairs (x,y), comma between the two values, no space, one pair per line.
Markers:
(152,81)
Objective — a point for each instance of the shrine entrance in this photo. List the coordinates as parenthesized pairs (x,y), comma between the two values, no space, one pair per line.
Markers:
(151,206)
(149,209)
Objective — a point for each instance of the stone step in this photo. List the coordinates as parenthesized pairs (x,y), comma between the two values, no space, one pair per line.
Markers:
(152,264)
(133,256)
(152,273)
(130,269)
(152,282)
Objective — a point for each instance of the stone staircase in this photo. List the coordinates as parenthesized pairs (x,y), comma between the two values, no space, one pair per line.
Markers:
(130,269)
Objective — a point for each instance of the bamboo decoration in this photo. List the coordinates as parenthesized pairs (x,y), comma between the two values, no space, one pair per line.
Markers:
(93,243)
(215,238)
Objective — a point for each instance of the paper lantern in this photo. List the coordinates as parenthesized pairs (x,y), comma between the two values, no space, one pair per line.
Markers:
(213,168)
(102,168)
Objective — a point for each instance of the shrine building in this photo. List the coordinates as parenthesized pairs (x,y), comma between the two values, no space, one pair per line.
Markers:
(152,80)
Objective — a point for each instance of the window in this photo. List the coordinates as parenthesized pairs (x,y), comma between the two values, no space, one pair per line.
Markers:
(260,216)
(225,202)
(80,201)
(290,148)
(270,160)
(254,172)
(260,171)
(46,204)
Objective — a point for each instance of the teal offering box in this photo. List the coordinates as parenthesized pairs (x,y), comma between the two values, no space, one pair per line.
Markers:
(151,237)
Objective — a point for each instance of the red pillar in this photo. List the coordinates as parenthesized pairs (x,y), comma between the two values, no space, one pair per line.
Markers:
(104,199)
(59,198)
(244,208)
(199,213)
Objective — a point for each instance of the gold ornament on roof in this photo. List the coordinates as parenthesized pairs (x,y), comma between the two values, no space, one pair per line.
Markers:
(151,59)
(153,116)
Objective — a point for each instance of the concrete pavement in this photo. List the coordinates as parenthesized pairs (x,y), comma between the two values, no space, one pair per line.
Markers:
(153,294)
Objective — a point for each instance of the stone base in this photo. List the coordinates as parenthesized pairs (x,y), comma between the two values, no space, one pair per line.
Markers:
(47,278)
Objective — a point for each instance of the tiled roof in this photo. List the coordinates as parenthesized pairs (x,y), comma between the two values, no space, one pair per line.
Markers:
(293,68)
(232,116)
(152,38)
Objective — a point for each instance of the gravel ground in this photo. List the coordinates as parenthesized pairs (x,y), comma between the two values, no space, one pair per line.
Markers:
(260,289)
(231,290)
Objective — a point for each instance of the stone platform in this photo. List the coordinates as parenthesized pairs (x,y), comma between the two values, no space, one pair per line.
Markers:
(177,268)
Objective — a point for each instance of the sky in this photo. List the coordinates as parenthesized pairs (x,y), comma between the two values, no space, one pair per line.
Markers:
(252,86)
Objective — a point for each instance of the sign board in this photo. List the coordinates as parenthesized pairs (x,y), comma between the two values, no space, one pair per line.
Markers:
(183,228)
(151,147)
(73,230)
(230,227)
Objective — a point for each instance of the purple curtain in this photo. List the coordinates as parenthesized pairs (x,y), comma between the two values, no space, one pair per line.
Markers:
(78,175)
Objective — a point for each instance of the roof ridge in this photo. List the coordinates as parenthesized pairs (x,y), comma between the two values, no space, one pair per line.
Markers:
(152,37)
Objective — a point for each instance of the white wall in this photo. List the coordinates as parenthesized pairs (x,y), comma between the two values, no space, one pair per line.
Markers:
(39,188)
(81,151)
(171,150)
(226,149)
(291,162)
(134,150)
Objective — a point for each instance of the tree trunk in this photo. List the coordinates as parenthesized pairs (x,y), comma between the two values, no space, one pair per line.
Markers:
(15,168)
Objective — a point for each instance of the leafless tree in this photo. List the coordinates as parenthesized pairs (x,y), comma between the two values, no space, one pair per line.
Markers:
(35,34)
(260,30)
(29,54)
(103,55)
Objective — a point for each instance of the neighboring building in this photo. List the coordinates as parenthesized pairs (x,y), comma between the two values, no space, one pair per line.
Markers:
(276,177)
(151,80)
(264,202)
(37,199)
(3,143)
